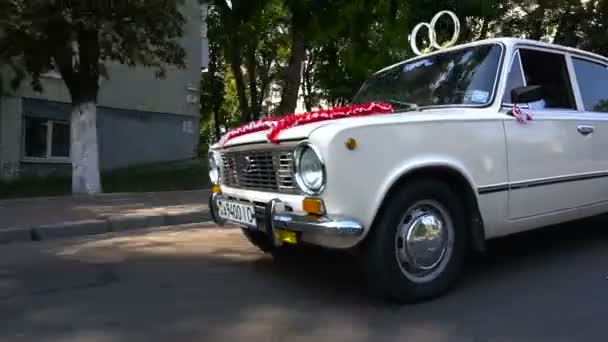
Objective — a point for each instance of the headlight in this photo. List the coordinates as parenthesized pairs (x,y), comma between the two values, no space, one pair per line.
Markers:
(310,169)
(214,167)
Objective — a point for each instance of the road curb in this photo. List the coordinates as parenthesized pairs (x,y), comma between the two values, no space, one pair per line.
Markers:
(14,235)
(187,217)
(69,229)
(102,225)
(130,222)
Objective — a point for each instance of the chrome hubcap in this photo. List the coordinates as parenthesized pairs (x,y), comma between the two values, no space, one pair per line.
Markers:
(424,241)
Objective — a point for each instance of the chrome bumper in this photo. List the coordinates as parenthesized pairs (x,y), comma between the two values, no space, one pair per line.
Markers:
(329,225)
(274,215)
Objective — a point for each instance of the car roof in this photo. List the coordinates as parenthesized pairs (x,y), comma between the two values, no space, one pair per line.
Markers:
(509,42)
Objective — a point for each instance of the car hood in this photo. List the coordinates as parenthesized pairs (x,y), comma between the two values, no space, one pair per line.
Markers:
(297,132)
(304,131)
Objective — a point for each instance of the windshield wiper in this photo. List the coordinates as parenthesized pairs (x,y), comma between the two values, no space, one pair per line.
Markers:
(406,105)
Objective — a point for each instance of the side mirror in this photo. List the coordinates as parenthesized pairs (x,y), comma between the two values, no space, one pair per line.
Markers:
(527,94)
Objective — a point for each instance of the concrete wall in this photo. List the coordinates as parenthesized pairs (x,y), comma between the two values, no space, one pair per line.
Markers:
(141,119)
(138,88)
(10,136)
(128,137)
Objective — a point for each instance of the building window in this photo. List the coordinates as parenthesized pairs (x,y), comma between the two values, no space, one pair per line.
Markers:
(46,140)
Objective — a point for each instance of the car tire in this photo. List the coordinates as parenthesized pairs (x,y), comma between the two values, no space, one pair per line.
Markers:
(258,239)
(280,254)
(417,245)
(287,254)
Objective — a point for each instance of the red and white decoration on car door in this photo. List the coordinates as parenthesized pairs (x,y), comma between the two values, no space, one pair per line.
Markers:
(520,115)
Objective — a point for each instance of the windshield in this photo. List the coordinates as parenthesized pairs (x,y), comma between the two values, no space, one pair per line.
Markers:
(460,77)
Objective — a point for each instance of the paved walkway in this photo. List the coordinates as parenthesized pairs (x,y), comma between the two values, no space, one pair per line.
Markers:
(35,218)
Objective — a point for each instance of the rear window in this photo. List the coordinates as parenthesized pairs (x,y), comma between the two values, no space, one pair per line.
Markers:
(593,82)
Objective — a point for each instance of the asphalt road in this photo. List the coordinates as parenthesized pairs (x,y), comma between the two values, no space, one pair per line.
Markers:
(198,283)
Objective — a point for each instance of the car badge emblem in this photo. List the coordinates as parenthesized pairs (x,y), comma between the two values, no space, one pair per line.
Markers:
(433,44)
(248,164)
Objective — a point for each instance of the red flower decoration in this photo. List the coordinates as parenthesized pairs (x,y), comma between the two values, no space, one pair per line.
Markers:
(520,115)
(278,124)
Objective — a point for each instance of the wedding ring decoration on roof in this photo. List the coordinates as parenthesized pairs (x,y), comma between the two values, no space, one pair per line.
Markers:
(433,34)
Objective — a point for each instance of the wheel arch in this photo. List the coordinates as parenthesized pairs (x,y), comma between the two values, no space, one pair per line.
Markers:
(456,178)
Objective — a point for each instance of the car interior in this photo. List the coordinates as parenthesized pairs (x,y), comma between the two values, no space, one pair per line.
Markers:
(549,70)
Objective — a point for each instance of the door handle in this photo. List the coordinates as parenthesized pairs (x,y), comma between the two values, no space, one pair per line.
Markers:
(585,129)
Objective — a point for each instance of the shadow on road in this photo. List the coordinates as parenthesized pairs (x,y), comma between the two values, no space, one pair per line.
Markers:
(549,285)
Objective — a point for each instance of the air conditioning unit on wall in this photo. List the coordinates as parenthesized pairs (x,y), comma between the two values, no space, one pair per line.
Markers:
(192,99)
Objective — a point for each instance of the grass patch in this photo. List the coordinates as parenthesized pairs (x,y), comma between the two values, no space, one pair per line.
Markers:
(188,175)
(175,176)
(31,186)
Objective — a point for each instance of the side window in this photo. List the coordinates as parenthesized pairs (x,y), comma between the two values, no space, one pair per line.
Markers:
(515,79)
(550,71)
(593,83)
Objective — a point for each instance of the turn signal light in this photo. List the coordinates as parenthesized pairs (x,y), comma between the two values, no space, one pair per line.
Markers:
(313,206)
(216,189)
(351,144)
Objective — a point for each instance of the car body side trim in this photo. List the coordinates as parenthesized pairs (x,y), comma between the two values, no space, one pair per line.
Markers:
(542,182)
(493,188)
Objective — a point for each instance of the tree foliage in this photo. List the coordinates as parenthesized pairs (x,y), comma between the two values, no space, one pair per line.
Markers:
(78,38)
(346,40)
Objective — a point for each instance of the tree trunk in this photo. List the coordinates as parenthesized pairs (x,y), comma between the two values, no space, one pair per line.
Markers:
(484,28)
(82,80)
(234,54)
(252,73)
(293,79)
(235,62)
(536,19)
(567,26)
(566,34)
(306,85)
(307,94)
(84,150)
(265,83)
(216,126)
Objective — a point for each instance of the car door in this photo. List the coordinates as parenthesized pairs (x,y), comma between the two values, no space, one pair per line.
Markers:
(549,156)
(592,82)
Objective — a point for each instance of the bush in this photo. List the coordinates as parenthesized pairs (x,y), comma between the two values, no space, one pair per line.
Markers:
(183,175)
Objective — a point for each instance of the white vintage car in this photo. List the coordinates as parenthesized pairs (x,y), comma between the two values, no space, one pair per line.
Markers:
(412,192)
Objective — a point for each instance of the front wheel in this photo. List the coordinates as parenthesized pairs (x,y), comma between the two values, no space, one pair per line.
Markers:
(259,239)
(417,245)
(280,254)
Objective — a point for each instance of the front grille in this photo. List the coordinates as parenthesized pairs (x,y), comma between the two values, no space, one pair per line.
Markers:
(263,170)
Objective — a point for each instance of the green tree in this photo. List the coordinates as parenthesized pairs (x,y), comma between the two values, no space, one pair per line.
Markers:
(212,82)
(219,99)
(312,24)
(594,28)
(601,106)
(368,36)
(328,48)
(78,38)
(252,36)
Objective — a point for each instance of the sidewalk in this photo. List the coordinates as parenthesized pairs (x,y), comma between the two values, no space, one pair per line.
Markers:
(56,217)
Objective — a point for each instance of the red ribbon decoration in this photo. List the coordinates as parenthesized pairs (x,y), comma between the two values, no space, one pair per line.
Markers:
(278,124)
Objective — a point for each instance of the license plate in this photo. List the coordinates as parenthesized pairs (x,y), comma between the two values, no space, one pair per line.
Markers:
(237,212)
